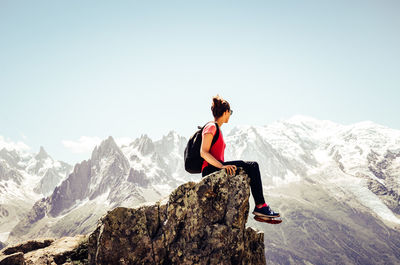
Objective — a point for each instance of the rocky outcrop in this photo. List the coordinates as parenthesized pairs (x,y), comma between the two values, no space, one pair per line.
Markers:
(201,223)
(28,246)
(386,185)
(65,250)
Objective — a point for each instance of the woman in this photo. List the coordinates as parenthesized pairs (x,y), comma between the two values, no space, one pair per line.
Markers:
(214,158)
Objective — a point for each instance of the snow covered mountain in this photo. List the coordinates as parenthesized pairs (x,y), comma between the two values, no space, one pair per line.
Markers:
(24,179)
(337,187)
(363,158)
(127,175)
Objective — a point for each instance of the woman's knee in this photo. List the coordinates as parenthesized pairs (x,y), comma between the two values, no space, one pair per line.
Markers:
(248,166)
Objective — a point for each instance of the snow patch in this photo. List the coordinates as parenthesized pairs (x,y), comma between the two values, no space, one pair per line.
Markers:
(322,156)
(366,197)
(164,189)
(289,177)
(150,195)
(4,236)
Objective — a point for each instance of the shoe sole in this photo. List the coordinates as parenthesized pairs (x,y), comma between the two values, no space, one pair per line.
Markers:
(263,215)
(268,220)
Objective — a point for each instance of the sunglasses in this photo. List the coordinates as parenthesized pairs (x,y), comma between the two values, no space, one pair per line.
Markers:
(231,111)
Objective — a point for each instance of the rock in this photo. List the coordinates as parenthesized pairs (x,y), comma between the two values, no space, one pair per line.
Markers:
(28,246)
(201,223)
(57,253)
(13,259)
(47,251)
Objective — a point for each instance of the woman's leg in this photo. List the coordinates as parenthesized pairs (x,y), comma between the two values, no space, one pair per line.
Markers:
(253,171)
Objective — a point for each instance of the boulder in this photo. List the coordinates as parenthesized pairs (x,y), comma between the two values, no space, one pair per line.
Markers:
(200,223)
(46,251)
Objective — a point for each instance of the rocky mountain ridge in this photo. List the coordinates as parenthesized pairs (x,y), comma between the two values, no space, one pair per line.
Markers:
(25,178)
(200,223)
(113,176)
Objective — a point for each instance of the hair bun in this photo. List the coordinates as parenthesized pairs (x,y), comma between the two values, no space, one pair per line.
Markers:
(219,106)
(217,100)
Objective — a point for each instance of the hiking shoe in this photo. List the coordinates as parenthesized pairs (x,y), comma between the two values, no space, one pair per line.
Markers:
(265,211)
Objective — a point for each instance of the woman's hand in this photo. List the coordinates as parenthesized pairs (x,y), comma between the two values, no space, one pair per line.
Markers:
(231,169)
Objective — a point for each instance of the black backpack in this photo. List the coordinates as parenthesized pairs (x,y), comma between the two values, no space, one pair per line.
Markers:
(193,160)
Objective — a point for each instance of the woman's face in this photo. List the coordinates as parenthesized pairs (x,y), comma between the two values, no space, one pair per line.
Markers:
(227,115)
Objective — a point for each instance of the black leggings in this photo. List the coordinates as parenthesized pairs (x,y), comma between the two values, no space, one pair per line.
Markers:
(252,171)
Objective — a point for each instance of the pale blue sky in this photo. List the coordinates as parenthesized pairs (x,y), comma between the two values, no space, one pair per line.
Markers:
(123,68)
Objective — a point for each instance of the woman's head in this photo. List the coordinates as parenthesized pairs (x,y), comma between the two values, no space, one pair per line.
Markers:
(220,108)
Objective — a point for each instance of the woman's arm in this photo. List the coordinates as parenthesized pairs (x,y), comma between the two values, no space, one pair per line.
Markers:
(205,154)
(205,151)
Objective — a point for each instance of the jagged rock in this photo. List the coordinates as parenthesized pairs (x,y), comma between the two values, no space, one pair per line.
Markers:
(202,223)
(13,259)
(46,251)
(71,189)
(57,253)
(28,246)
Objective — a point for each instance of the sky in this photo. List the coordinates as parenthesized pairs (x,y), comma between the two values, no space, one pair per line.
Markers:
(73,73)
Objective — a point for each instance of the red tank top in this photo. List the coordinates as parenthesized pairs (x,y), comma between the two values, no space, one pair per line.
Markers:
(217,150)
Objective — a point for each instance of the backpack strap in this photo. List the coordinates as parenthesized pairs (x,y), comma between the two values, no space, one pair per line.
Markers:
(216,136)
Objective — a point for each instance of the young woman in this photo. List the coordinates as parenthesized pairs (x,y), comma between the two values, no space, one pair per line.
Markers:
(214,158)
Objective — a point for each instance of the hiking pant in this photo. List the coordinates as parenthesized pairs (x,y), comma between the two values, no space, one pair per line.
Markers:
(252,170)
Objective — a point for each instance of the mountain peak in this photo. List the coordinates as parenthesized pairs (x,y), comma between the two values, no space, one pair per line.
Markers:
(145,145)
(172,133)
(42,154)
(107,146)
(108,143)
(144,137)
(171,136)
